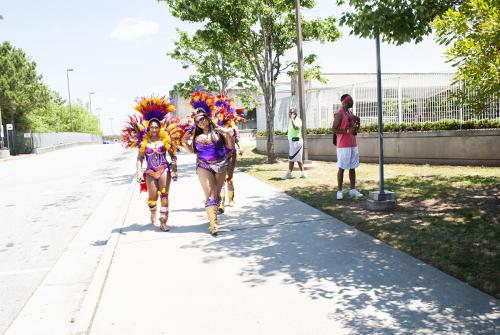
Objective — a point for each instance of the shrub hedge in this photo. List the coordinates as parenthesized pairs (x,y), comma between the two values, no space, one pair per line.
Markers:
(445,124)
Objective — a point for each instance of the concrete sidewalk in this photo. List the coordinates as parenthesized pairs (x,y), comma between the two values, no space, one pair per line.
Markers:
(278,267)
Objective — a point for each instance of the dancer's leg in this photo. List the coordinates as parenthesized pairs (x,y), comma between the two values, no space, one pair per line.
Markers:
(209,186)
(164,187)
(220,178)
(152,196)
(207,181)
(222,200)
(229,180)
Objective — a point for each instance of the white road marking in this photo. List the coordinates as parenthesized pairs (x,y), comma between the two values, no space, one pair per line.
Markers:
(17,272)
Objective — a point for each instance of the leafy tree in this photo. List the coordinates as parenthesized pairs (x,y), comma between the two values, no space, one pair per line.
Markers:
(21,89)
(259,33)
(55,117)
(398,21)
(472,32)
(30,104)
(469,27)
(84,122)
(217,68)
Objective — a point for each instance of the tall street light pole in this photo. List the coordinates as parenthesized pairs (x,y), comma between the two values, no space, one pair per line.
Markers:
(90,101)
(1,123)
(112,132)
(300,66)
(98,110)
(1,131)
(382,199)
(380,118)
(69,100)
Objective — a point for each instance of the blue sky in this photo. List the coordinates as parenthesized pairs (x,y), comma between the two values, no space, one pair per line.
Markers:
(117,49)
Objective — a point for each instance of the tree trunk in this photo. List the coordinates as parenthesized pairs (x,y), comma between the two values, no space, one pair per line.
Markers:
(268,88)
(271,156)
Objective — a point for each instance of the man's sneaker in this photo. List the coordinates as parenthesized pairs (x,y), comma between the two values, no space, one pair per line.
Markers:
(287,176)
(355,194)
(303,174)
(340,195)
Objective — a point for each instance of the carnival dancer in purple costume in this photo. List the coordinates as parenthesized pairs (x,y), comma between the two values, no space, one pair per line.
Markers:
(228,117)
(211,144)
(155,134)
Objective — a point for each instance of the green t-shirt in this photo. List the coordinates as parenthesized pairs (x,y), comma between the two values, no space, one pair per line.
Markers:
(292,132)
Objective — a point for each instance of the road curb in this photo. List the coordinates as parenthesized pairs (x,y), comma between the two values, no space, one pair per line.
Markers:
(88,308)
(44,150)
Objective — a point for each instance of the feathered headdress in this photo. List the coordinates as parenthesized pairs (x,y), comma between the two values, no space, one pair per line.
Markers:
(226,114)
(154,107)
(203,101)
(135,133)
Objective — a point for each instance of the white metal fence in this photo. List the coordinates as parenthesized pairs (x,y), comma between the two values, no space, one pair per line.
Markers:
(406,98)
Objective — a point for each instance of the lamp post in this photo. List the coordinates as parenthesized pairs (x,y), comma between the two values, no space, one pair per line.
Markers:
(1,131)
(98,110)
(1,123)
(90,101)
(69,100)
(111,119)
(382,199)
(300,66)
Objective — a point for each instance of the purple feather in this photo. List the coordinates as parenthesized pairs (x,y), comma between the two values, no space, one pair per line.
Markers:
(202,104)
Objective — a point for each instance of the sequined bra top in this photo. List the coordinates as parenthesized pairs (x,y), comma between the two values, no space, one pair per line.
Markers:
(209,151)
(156,157)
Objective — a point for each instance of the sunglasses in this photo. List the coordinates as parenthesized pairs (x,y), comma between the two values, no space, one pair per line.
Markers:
(200,119)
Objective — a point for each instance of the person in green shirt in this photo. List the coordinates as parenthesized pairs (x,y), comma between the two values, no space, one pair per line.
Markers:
(296,145)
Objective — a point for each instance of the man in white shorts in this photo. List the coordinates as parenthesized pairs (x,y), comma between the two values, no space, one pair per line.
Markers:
(295,144)
(345,125)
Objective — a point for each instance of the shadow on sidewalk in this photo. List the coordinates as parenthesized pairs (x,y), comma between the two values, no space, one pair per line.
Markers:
(374,289)
(147,227)
(136,227)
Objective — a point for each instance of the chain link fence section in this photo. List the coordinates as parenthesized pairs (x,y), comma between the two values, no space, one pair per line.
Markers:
(406,98)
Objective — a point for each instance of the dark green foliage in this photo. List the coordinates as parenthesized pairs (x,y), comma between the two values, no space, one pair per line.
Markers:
(29,104)
(445,124)
(398,21)
(258,33)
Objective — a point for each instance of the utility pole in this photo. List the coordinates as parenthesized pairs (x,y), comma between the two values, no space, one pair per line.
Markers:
(1,123)
(112,132)
(382,199)
(69,100)
(90,102)
(300,78)
(98,110)
(380,115)
(1,130)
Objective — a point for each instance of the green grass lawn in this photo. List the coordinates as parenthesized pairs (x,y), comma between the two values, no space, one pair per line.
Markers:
(447,216)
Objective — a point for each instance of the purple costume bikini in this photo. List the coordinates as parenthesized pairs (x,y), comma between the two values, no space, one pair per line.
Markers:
(211,156)
(157,165)
(156,160)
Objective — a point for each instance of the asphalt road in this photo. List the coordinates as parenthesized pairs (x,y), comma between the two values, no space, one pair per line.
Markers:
(44,201)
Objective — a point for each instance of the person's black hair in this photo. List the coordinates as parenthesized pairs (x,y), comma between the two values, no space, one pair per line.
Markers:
(344,96)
